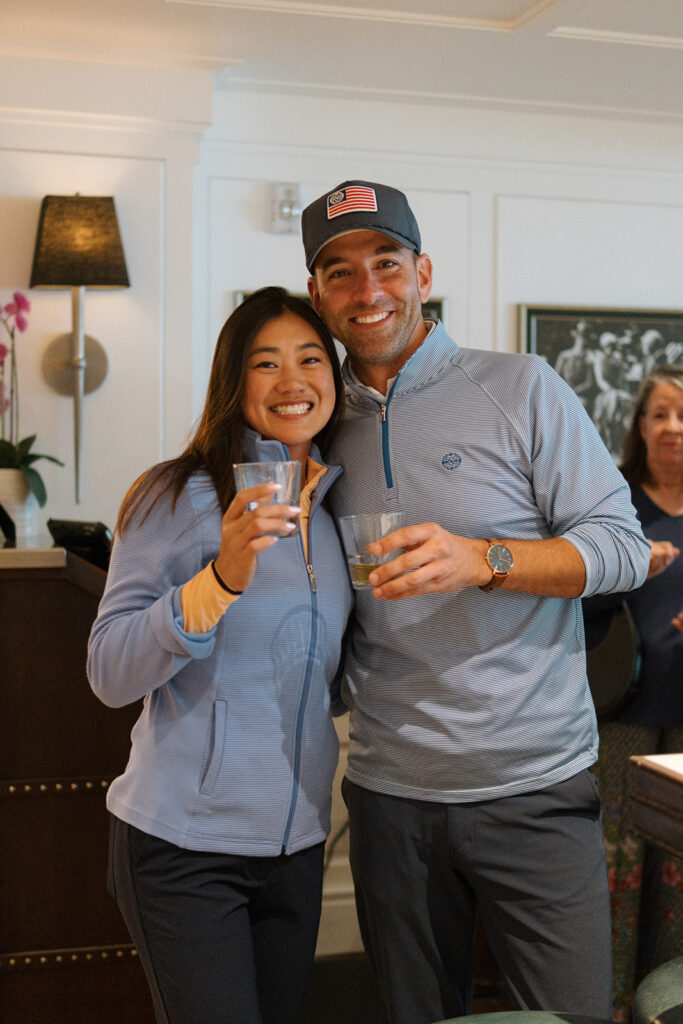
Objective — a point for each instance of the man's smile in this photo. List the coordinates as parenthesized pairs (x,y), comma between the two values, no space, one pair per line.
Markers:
(371,318)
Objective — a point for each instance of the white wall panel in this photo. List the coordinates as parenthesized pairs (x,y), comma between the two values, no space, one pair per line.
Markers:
(122,424)
(574,252)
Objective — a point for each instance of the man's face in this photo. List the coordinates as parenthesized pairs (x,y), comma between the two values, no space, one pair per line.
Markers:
(369,290)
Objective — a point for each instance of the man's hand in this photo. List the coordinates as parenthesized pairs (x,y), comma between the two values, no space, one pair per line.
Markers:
(434,562)
(438,562)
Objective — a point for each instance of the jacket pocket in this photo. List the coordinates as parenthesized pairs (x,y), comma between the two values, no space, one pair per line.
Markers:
(220,713)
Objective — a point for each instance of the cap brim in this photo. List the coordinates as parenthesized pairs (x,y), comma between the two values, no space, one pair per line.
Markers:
(394,235)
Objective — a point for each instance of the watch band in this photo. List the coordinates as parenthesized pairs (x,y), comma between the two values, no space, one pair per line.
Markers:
(498,578)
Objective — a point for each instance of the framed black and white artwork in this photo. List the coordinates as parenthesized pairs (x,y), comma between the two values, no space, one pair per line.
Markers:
(603,354)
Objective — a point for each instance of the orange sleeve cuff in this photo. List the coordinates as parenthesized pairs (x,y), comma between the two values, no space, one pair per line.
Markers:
(204,602)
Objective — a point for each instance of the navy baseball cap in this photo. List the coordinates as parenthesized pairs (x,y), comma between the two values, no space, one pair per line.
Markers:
(358,206)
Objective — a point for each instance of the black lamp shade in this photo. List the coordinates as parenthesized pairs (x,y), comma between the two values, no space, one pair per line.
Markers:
(78,243)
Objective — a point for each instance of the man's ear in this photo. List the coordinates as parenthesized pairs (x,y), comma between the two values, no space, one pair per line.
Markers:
(423,266)
(313,294)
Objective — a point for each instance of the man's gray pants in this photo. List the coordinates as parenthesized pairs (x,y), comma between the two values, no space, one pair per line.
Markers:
(530,866)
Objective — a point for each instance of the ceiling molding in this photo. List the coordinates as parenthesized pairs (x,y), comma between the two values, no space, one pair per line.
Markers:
(551,107)
(130,58)
(588,35)
(100,122)
(382,14)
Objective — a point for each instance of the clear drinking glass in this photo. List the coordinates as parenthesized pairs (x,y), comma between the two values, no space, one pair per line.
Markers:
(360,530)
(286,474)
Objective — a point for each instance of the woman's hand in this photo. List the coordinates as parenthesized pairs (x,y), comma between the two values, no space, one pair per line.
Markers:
(678,622)
(248,530)
(662,554)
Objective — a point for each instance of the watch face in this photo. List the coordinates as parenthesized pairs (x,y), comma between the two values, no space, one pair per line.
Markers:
(499,558)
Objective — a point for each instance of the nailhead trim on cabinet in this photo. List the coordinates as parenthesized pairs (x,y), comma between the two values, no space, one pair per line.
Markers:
(37,787)
(43,958)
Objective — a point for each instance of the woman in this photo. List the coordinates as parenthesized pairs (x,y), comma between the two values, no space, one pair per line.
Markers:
(233,638)
(647,885)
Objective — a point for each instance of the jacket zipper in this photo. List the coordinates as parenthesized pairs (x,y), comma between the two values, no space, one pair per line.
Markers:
(304,693)
(384,416)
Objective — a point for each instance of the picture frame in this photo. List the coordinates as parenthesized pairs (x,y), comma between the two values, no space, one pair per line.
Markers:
(432,309)
(603,354)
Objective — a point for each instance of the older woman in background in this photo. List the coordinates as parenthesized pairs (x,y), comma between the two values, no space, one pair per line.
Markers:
(646,884)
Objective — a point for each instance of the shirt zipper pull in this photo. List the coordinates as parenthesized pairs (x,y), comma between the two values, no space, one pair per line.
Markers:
(311,575)
(383,413)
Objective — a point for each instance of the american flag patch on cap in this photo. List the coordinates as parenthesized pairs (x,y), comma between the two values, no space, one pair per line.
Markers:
(350,200)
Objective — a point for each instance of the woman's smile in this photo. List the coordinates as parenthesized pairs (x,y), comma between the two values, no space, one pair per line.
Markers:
(298,409)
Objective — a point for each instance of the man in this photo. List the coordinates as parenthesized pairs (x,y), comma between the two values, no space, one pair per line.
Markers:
(472,728)
(574,365)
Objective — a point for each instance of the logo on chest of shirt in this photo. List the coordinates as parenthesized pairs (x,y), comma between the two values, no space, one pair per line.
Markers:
(451,460)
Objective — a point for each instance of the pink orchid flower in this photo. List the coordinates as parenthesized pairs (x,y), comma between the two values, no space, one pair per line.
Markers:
(3,352)
(17,309)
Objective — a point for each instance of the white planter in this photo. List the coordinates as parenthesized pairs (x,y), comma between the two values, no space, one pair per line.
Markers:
(20,504)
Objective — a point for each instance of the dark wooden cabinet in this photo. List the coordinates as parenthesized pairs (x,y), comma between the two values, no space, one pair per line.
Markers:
(65,954)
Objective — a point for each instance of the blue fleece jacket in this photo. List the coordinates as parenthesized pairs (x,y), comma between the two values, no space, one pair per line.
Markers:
(235,749)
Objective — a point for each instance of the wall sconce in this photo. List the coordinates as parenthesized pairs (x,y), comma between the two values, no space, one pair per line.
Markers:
(78,246)
(285,206)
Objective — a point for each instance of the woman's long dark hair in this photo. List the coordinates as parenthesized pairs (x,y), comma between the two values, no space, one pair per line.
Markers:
(218,440)
(634,452)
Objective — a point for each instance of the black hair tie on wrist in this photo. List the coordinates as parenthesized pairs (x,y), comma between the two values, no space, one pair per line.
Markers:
(221,582)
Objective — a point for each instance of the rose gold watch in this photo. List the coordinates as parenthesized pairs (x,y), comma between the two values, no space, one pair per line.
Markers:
(500,562)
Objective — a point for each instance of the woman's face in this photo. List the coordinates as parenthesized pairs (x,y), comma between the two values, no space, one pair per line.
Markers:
(289,393)
(661,425)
